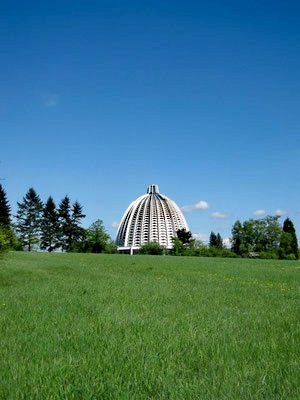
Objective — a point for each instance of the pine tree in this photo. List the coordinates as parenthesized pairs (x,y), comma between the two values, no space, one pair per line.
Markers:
(64,213)
(6,233)
(78,232)
(288,241)
(213,241)
(4,209)
(70,219)
(219,242)
(50,232)
(29,219)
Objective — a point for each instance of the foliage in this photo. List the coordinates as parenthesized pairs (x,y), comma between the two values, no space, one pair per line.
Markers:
(213,240)
(152,248)
(4,208)
(80,326)
(97,239)
(288,241)
(9,240)
(50,229)
(216,241)
(72,234)
(65,223)
(111,247)
(183,242)
(206,251)
(47,226)
(178,248)
(7,236)
(78,233)
(268,255)
(237,238)
(4,241)
(29,217)
(256,235)
(184,236)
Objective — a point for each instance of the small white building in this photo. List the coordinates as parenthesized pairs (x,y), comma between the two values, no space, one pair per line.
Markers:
(152,217)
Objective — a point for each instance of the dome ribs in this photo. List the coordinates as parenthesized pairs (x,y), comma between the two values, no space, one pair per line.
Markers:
(150,218)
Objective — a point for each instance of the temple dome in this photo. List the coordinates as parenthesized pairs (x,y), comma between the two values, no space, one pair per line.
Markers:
(152,217)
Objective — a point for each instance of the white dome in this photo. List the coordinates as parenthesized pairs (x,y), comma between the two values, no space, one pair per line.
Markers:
(150,218)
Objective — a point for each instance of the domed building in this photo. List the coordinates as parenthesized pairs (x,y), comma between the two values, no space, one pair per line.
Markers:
(152,217)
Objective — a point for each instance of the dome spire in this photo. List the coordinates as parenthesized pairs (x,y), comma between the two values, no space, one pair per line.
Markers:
(152,189)
(150,218)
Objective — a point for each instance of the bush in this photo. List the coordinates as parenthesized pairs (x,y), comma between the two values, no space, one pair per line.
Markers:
(152,248)
(269,255)
(4,240)
(204,251)
(8,239)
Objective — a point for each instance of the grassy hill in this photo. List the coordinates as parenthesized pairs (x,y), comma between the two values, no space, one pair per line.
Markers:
(85,326)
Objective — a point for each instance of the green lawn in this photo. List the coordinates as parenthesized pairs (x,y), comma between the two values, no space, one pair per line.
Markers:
(85,326)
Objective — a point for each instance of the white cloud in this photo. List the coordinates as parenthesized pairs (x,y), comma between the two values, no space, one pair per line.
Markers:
(201,205)
(115,225)
(219,215)
(51,100)
(201,236)
(227,242)
(259,212)
(280,212)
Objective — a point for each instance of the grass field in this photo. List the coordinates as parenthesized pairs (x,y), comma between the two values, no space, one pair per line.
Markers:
(84,326)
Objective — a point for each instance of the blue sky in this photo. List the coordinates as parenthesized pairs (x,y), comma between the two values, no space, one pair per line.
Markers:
(100,99)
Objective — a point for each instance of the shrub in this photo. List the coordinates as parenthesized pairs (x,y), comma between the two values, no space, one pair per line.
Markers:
(152,248)
(269,255)
(4,240)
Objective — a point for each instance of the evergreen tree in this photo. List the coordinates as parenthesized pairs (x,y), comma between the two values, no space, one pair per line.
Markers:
(219,242)
(213,241)
(288,241)
(70,219)
(216,241)
(184,236)
(7,235)
(28,217)
(77,232)
(64,213)
(50,232)
(4,209)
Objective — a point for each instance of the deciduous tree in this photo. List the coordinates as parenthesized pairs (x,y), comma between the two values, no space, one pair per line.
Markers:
(256,235)
(97,238)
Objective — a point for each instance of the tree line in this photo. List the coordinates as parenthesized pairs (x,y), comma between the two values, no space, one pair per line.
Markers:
(49,227)
(264,238)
